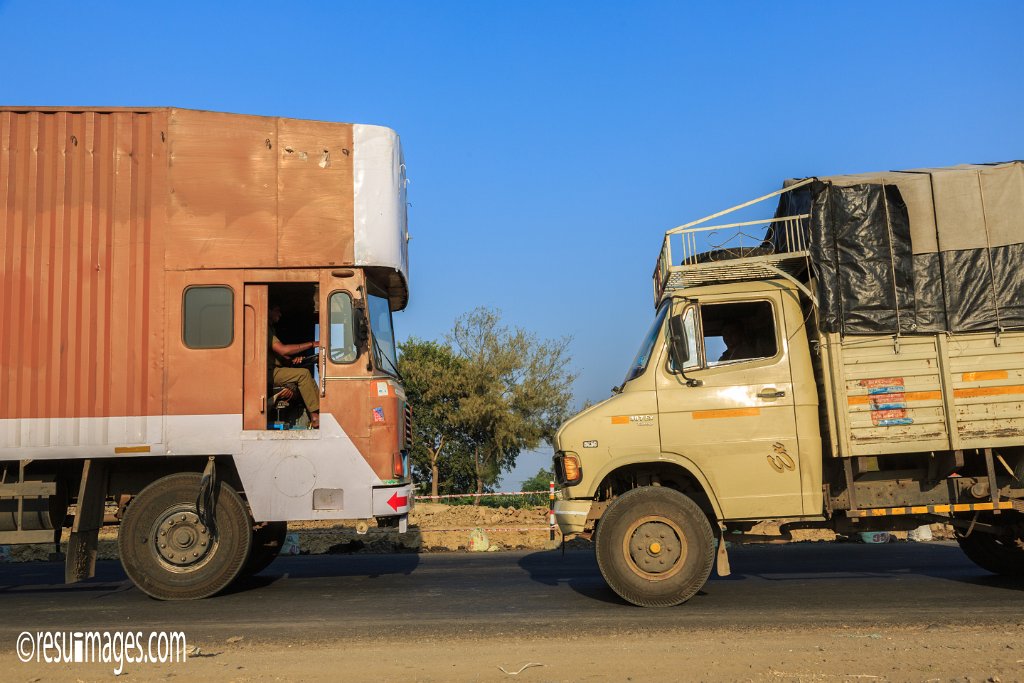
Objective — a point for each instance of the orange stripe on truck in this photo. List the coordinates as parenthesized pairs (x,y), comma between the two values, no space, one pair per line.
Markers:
(989,391)
(987,374)
(725,412)
(907,396)
(937,395)
(132,449)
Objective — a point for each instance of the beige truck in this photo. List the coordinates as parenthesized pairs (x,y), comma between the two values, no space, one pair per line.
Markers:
(855,362)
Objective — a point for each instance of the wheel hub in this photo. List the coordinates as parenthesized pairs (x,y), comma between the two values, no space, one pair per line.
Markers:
(655,548)
(181,539)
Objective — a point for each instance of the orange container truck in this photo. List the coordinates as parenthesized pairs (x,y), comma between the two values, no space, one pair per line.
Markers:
(164,274)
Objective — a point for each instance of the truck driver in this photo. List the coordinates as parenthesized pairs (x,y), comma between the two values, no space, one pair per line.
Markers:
(738,344)
(286,355)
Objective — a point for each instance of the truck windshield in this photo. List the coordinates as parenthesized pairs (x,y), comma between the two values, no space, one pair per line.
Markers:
(383,333)
(643,356)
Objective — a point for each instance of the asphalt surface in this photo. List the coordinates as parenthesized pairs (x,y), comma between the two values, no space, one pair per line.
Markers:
(381,596)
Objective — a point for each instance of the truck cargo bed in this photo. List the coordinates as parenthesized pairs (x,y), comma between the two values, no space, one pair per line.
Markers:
(924,392)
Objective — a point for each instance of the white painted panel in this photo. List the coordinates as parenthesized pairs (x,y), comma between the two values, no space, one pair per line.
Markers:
(381,227)
(76,437)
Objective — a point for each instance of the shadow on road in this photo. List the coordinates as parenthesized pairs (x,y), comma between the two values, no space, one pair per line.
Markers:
(576,569)
(796,563)
(368,565)
(831,561)
(48,577)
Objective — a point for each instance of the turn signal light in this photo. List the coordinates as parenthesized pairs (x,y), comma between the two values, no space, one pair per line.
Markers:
(399,466)
(571,465)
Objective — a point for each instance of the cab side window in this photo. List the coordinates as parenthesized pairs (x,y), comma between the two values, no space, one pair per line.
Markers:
(737,332)
(342,336)
(207,317)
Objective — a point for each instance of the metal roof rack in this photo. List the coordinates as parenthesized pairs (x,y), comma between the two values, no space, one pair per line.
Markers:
(732,254)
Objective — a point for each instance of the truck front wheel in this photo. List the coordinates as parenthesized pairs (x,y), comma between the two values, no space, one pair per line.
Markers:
(168,551)
(655,547)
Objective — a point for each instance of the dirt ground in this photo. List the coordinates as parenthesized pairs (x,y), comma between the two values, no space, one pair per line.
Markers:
(929,653)
(433,527)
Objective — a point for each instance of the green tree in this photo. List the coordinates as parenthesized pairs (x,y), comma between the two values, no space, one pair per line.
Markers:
(518,390)
(480,397)
(435,388)
(539,482)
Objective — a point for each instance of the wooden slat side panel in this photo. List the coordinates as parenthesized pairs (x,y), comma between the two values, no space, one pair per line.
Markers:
(988,387)
(894,395)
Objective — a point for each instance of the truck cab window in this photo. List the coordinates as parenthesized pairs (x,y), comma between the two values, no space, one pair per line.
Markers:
(383,341)
(207,319)
(648,346)
(343,339)
(738,332)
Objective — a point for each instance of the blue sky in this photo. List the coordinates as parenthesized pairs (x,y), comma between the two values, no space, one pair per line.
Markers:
(550,144)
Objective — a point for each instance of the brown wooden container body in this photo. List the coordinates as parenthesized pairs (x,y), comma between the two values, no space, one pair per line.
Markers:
(106,216)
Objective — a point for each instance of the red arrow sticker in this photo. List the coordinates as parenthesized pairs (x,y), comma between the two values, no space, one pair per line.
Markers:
(396,501)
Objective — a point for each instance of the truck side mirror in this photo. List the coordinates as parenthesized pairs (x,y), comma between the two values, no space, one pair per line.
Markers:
(361,326)
(679,343)
(679,347)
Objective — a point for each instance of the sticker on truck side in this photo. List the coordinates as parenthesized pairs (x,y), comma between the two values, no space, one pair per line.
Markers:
(639,420)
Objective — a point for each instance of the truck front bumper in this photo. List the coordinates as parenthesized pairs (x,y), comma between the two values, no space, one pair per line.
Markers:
(571,515)
(389,501)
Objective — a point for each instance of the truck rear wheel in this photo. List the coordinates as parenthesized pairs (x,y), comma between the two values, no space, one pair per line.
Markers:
(267,541)
(654,547)
(169,553)
(1003,554)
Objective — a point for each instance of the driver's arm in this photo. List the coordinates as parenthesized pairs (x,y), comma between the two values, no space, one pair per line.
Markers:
(289,350)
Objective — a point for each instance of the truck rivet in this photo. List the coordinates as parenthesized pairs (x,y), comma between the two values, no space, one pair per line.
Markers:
(183,518)
(163,545)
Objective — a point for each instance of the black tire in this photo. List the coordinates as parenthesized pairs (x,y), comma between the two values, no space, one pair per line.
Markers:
(169,554)
(655,547)
(267,541)
(1003,555)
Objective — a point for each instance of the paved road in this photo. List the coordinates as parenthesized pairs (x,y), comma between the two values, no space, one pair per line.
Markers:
(317,597)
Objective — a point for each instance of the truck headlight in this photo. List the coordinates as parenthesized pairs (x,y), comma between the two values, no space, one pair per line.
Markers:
(568,470)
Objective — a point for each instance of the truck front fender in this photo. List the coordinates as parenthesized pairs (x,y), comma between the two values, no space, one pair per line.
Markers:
(656,459)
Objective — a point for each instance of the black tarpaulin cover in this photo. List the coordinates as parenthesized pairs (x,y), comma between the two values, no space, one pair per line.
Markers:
(931,250)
